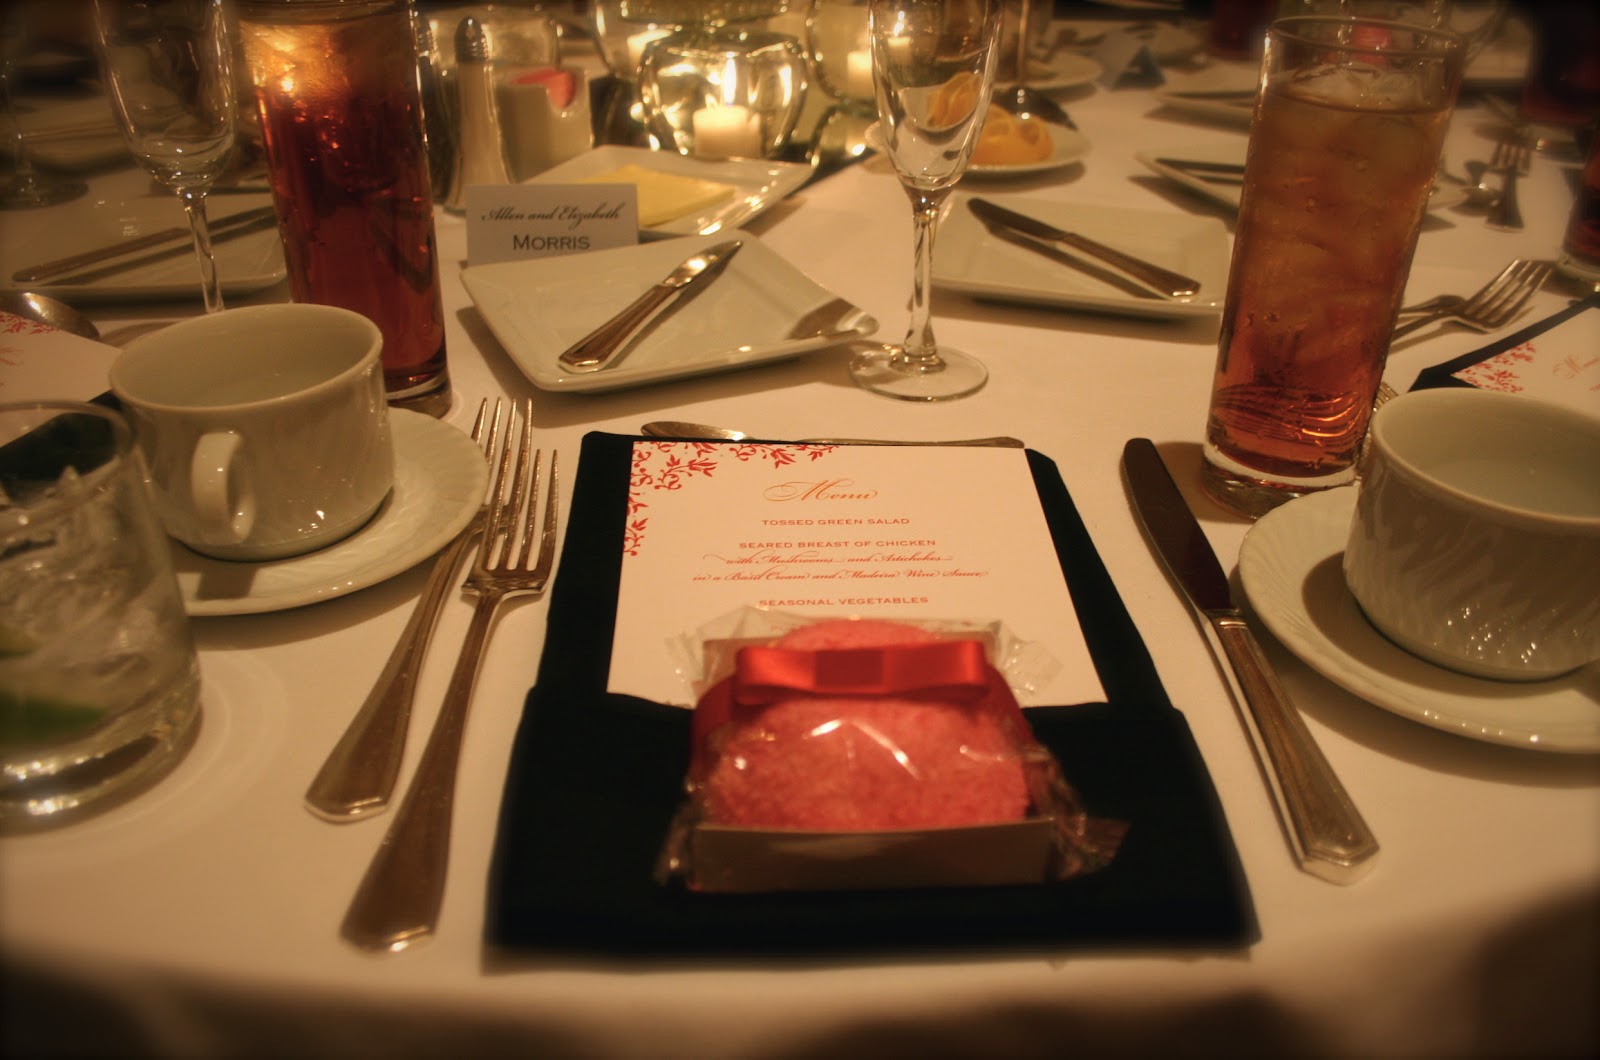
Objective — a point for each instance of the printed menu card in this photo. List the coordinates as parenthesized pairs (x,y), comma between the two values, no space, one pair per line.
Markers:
(836,531)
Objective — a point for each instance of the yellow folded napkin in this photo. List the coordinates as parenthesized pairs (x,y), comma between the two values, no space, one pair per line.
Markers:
(664,197)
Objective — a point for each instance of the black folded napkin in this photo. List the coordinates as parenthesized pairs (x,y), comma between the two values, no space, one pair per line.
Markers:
(595,779)
(1444,375)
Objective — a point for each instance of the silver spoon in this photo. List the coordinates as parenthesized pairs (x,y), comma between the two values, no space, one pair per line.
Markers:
(682,429)
(47,310)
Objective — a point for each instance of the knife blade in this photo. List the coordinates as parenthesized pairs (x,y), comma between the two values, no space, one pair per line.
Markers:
(1169,283)
(1212,172)
(1326,831)
(179,235)
(600,347)
(1061,257)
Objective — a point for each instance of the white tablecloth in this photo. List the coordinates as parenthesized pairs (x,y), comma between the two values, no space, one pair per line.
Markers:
(201,918)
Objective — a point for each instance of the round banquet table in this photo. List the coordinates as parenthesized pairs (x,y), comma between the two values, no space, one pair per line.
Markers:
(201,917)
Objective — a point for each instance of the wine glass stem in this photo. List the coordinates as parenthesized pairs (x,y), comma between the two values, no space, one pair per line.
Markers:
(194,204)
(921,349)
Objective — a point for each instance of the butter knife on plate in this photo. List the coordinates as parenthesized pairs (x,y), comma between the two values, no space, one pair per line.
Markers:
(600,347)
(1164,281)
(1326,831)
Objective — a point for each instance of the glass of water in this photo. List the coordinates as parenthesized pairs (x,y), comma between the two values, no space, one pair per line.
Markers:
(99,684)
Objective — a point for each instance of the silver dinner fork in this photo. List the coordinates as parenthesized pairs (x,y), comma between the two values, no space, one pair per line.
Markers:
(1511,160)
(358,777)
(399,899)
(1495,304)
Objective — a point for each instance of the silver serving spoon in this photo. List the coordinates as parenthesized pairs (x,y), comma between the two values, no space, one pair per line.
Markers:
(47,310)
(682,429)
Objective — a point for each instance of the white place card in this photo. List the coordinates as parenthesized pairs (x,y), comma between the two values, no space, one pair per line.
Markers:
(889,532)
(41,363)
(1559,364)
(515,222)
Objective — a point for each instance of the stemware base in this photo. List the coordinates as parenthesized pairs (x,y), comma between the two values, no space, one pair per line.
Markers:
(946,374)
(29,192)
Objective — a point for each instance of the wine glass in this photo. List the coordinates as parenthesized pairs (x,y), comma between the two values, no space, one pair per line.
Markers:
(933,71)
(168,66)
(26,188)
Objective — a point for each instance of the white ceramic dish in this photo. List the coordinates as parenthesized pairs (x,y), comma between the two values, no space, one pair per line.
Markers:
(1062,70)
(760,309)
(756,184)
(1227,192)
(247,263)
(1193,94)
(1066,147)
(1290,569)
(439,480)
(972,260)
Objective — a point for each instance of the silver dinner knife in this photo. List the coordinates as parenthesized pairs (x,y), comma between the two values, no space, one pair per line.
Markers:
(1326,831)
(1166,281)
(180,239)
(598,348)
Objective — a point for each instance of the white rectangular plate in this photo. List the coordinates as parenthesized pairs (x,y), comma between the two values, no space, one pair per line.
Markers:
(972,260)
(760,309)
(756,184)
(1227,193)
(247,263)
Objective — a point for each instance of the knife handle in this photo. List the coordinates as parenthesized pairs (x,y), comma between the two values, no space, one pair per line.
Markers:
(590,353)
(180,235)
(1330,838)
(1173,283)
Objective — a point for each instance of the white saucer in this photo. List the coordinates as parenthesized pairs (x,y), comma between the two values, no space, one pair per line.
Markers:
(1290,567)
(439,480)
(1063,70)
(1066,147)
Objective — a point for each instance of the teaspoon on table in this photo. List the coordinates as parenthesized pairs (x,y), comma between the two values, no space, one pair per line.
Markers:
(682,429)
(47,310)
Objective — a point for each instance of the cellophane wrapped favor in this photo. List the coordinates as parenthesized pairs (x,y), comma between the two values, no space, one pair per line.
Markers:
(857,752)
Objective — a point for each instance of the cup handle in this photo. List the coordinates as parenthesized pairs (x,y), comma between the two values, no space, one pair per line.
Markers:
(224,497)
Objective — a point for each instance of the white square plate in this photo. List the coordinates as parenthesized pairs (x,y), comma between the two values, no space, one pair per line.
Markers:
(973,261)
(756,184)
(760,309)
(1227,192)
(247,262)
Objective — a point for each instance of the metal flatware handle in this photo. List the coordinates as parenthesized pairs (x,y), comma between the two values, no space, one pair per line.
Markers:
(1169,282)
(592,352)
(1505,213)
(1061,257)
(400,896)
(61,266)
(1330,838)
(358,777)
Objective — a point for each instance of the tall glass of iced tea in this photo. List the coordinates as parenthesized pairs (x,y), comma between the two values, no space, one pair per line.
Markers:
(341,117)
(1342,155)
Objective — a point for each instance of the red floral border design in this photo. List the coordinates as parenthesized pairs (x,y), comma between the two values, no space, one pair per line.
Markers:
(11,324)
(1499,372)
(673,465)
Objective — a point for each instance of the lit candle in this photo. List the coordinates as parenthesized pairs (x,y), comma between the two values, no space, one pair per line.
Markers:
(639,42)
(858,75)
(728,131)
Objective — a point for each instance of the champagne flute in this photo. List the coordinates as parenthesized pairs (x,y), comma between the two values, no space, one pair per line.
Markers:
(933,71)
(168,66)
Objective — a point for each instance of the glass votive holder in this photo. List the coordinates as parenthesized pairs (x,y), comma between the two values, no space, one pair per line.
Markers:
(723,94)
(837,38)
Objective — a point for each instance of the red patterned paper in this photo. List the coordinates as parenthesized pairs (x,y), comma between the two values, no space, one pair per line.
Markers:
(11,324)
(1500,372)
(673,465)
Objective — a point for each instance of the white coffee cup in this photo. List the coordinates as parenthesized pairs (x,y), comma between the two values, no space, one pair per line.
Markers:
(1476,537)
(265,429)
